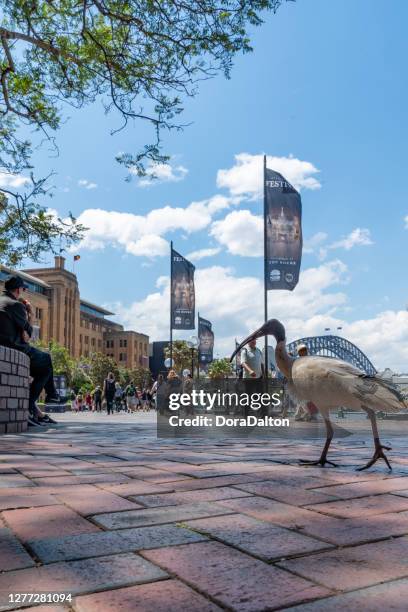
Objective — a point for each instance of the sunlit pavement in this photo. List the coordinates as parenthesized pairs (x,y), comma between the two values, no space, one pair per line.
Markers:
(99,508)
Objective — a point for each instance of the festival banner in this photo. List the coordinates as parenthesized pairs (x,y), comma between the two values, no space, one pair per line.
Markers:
(283,221)
(182,292)
(206,341)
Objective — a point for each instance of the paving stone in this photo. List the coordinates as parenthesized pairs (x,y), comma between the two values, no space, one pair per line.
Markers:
(20,500)
(15,480)
(45,473)
(47,608)
(233,578)
(157,516)
(273,511)
(364,506)
(61,481)
(12,554)
(79,577)
(356,567)
(208,483)
(137,487)
(256,537)
(93,501)
(189,497)
(392,596)
(285,493)
(364,489)
(35,524)
(359,530)
(157,597)
(151,475)
(82,546)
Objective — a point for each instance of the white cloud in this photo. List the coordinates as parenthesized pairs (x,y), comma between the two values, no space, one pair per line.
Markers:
(358,237)
(234,304)
(406,222)
(310,244)
(126,230)
(12,180)
(241,232)
(245,177)
(87,184)
(202,254)
(162,173)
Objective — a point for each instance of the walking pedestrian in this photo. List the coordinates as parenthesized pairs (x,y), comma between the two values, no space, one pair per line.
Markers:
(97,398)
(109,392)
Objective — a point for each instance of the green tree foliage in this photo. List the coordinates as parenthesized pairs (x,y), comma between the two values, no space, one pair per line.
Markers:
(80,379)
(220,368)
(181,355)
(61,360)
(99,367)
(28,229)
(141,58)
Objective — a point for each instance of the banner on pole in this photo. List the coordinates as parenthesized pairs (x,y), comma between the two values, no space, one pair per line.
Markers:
(182,292)
(206,341)
(283,219)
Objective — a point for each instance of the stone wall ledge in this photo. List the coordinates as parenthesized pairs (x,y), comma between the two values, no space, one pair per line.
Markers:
(14,390)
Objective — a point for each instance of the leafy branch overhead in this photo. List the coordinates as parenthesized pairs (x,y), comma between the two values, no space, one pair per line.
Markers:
(27,229)
(141,58)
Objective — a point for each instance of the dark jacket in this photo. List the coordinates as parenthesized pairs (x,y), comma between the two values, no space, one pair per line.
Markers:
(13,321)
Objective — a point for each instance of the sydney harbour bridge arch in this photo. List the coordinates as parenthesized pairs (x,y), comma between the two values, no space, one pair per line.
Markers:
(335,346)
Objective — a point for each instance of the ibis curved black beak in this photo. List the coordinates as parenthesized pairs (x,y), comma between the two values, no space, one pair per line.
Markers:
(273,327)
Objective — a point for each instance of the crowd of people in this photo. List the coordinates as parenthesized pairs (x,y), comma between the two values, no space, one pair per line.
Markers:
(114,398)
(16,316)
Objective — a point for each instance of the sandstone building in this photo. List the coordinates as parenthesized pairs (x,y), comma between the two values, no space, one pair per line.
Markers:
(60,314)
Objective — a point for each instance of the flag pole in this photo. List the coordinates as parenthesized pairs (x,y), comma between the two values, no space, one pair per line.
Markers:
(171,304)
(198,346)
(265,269)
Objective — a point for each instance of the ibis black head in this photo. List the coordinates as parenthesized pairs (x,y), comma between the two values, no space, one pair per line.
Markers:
(273,327)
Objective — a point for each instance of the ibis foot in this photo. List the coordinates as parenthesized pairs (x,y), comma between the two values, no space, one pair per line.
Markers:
(378,454)
(322,462)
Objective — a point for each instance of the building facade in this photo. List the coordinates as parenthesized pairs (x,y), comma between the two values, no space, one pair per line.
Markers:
(60,314)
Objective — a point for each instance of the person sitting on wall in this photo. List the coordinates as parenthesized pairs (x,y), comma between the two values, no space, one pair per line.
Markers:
(15,332)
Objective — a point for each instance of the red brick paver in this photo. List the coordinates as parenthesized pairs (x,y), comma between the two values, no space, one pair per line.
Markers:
(257,538)
(232,578)
(356,567)
(37,523)
(77,577)
(391,596)
(158,597)
(125,521)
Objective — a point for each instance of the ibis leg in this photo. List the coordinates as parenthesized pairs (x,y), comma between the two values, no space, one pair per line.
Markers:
(323,458)
(378,447)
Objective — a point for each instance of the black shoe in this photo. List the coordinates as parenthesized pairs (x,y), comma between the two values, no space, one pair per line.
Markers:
(47,419)
(33,422)
(52,399)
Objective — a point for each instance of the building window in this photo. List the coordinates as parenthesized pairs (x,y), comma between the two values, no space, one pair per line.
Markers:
(122,356)
(86,339)
(99,343)
(93,342)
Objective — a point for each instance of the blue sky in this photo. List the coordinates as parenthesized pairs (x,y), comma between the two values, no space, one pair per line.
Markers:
(327,85)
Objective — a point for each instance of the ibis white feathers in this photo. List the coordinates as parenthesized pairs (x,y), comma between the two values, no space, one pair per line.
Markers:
(331,383)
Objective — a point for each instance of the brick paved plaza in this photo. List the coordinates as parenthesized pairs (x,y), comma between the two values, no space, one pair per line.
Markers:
(98,507)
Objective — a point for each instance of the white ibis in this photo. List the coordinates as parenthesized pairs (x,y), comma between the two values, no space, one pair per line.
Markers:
(331,383)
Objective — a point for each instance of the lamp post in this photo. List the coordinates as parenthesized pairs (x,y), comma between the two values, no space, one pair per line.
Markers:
(192,343)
